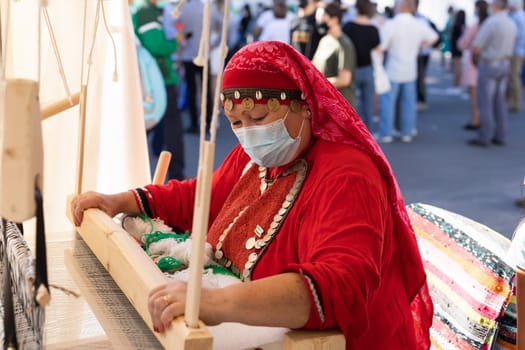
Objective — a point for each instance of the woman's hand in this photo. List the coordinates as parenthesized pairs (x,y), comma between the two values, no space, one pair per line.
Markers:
(111,204)
(165,303)
(168,301)
(246,302)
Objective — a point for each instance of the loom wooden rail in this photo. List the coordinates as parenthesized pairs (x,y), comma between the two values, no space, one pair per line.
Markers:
(136,275)
(520,304)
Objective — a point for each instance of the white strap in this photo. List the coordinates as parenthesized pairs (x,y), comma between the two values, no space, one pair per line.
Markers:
(148,26)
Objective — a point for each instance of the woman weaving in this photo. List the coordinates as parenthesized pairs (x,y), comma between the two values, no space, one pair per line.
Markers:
(305,210)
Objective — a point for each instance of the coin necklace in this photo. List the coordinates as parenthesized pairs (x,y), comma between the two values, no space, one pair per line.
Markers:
(260,241)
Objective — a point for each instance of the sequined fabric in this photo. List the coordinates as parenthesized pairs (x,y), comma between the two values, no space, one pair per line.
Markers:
(469,281)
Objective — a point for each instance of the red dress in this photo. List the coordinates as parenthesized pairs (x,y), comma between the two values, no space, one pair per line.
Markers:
(335,233)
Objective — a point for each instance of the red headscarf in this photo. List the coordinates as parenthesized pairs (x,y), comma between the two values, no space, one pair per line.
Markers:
(269,64)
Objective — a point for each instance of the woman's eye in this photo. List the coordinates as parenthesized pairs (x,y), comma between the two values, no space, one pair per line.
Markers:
(236,123)
(258,119)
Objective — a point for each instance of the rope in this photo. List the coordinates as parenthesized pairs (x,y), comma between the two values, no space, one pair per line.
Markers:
(90,55)
(1,47)
(176,11)
(222,57)
(66,291)
(39,42)
(54,44)
(101,8)
(6,41)
(115,72)
(42,295)
(84,31)
(205,43)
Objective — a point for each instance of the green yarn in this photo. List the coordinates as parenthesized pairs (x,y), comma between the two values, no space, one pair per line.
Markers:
(168,263)
(156,236)
(220,270)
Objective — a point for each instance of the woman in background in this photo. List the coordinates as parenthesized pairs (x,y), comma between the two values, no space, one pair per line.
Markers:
(469,72)
(458,27)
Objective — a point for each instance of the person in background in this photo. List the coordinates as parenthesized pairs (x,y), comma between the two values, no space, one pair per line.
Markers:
(401,39)
(335,56)
(214,54)
(445,46)
(189,23)
(306,31)
(458,27)
(274,24)
(244,27)
(469,72)
(492,50)
(422,61)
(389,12)
(335,247)
(365,38)
(168,133)
(515,86)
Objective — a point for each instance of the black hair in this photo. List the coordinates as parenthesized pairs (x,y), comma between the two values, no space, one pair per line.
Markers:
(363,7)
(333,9)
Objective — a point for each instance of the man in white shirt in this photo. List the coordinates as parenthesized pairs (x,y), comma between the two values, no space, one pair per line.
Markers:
(402,38)
(274,24)
(493,47)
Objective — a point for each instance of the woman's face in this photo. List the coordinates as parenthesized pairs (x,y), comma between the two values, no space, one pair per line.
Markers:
(260,115)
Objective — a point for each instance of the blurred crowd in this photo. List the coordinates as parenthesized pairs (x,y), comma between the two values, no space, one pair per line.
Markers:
(377,60)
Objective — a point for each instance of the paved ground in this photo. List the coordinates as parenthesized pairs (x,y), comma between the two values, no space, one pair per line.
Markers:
(438,168)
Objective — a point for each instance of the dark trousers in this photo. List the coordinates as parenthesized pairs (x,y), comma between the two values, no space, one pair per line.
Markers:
(193,72)
(168,135)
(422,63)
(492,103)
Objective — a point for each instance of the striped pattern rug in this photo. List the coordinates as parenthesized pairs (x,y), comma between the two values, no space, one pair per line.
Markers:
(469,280)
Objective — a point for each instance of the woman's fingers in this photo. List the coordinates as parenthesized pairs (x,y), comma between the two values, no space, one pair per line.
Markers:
(165,303)
(82,202)
(170,312)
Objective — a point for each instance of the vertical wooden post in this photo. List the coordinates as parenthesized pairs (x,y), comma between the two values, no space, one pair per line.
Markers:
(21,158)
(162,168)
(198,235)
(81,139)
(520,305)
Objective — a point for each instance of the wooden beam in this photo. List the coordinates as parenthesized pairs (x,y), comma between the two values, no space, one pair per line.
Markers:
(81,139)
(60,106)
(314,340)
(162,168)
(21,159)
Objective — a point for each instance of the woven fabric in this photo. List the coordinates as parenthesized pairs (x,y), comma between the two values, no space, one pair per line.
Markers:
(469,280)
(28,314)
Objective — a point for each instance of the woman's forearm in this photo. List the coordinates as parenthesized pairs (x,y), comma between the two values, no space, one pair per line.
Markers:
(279,301)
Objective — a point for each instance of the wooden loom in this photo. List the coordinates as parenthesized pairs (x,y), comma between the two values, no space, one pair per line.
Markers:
(136,274)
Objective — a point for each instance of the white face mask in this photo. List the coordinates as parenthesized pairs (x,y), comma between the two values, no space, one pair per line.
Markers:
(269,145)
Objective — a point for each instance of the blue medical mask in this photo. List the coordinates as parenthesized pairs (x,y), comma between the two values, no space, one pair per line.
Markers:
(269,145)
